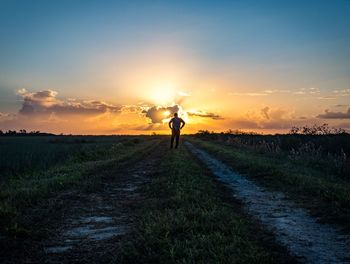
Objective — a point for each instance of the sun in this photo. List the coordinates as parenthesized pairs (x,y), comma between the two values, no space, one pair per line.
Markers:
(166,113)
(163,94)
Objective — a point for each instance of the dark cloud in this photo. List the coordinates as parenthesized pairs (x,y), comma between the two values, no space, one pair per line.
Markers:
(205,115)
(345,125)
(157,113)
(160,113)
(45,102)
(265,112)
(335,115)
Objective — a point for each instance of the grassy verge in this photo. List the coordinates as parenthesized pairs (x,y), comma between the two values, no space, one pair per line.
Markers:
(282,174)
(21,193)
(185,220)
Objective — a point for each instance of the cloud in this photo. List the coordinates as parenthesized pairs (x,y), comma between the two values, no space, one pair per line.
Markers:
(180,93)
(301,91)
(158,114)
(6,116)
(277,91)
(266,118)
(46,102)
(342,93)
(265,112)
(181,97)
(327,97)
(250,94)
(270,92)
(345,125)
(205,115)
(161,114)
(336,94)
(311,90)
(335,115)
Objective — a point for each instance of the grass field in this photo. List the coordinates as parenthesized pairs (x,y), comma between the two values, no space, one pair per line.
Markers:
(31,174)
(182,214)
(27,154)
(317,178)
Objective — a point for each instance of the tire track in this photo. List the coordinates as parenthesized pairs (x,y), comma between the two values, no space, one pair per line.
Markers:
(96,221)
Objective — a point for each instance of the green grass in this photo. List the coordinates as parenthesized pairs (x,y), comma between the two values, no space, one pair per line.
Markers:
(185,220)
(19,193)
(283,174)
(29,154)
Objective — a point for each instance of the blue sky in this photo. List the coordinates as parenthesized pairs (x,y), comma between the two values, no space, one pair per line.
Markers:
(71,46)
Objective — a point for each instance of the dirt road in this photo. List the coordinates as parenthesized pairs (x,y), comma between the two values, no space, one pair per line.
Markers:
(294,227)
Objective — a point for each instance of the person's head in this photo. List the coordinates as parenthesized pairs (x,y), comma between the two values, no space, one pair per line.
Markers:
(175,114)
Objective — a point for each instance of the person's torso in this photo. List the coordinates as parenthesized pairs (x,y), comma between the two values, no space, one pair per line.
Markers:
(176,123)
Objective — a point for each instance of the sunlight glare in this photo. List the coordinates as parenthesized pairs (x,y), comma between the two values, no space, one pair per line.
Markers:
(163,95)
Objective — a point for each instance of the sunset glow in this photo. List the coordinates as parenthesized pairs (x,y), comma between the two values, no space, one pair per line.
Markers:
(126,68)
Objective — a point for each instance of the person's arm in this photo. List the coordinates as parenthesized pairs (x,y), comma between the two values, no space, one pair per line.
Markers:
(182,124)
(170,122)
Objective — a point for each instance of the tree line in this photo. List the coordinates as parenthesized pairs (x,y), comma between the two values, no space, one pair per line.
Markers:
(23,132)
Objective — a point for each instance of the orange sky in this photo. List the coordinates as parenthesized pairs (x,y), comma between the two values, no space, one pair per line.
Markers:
(123,68)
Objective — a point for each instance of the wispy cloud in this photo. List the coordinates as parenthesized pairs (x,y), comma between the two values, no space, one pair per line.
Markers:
(6,116)
(342,93)
(335,115)
(277,91)
(301,91)
(309,91)
(249,94)
(181,93)
(205,115)
(336,94)
(327,98)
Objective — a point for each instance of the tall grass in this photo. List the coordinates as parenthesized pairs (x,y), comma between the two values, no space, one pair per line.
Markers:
(329,152)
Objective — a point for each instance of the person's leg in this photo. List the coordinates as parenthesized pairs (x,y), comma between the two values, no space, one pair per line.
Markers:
(172,139)
(177,139)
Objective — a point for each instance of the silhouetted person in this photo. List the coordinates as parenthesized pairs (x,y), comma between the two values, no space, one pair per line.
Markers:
(175,124)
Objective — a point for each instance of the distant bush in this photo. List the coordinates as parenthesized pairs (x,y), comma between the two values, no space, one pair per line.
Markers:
(323,129)
(317,146)
(23,132)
